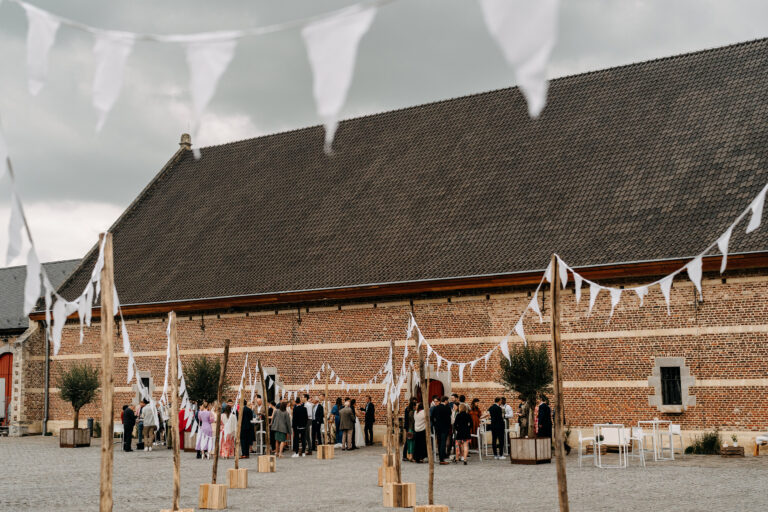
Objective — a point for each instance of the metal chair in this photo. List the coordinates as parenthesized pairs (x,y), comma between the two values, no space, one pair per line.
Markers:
(590,442)
(636,439)
(477,435)
(119,429)
(674,431)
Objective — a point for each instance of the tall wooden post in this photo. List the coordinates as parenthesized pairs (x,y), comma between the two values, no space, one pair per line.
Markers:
(174,366)
(241,405)
(424,401)
(562,486)
(107,378)
(218,404)
(265,404)
(326,411)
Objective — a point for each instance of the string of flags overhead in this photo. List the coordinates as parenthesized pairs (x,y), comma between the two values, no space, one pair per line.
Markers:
(525,31)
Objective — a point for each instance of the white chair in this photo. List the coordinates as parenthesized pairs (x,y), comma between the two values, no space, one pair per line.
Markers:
(636,440)
(669,435)
(590,442)
(477,435)
(120,430)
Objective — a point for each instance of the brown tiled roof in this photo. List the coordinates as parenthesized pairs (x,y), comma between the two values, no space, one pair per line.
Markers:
(641,162)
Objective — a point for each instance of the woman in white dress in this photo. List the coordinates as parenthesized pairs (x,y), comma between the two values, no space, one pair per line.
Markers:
(359,435)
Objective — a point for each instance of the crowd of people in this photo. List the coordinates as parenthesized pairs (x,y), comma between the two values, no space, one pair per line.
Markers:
(300,425)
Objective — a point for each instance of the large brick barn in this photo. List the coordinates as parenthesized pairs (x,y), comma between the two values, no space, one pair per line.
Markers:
(451,211)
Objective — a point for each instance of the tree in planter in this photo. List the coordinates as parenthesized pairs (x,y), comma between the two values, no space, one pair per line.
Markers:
(201,376)
(529,374)
(79,386)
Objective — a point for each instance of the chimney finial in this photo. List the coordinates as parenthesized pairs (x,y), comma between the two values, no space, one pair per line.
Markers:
(186,141)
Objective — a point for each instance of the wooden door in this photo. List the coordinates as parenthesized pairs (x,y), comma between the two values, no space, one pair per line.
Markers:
(6,367)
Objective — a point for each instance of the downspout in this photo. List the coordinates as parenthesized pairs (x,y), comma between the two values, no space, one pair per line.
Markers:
(46,386)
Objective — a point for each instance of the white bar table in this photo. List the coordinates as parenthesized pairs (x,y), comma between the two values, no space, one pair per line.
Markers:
(656,432)
(600,439)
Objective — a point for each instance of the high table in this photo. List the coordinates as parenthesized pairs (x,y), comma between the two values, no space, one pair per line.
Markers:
(611,434)
(658,453)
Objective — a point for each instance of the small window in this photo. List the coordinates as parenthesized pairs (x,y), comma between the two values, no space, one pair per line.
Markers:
(671,389)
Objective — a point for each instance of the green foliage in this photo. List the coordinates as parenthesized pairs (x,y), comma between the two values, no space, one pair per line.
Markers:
(528,372)
(202,378)
(707,443)
(79,386)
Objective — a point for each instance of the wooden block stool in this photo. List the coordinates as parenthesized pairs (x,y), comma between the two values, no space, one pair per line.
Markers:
(178,510)
(388,459)
(267,463)
(386,475)
(430,508)
(212,496)
(400,495)
(237,478)
(325,451)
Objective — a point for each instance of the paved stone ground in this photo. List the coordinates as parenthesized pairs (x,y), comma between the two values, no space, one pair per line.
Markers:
(35,474)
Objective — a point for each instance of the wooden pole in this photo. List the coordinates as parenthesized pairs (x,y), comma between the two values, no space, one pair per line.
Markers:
(562,486)
(241,405)
(107,378)
(326,411)
(218,404)
(174,364)
(396,431)
(424,401)
(265,404)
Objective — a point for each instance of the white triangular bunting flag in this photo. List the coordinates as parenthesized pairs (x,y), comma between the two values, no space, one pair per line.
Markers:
(487,357)
(722,245)
(332,48)
(577,280)
(534,306)
(504,346)
(32,282)
(641,292)
(111,50)
(615,297)
(411,324)
(694,268)
(666,285)
(548,273)
(520,332)
(562,270)
(461,372)
(526,31)
(594,290)
(757,210)
(41,33)
(429,350)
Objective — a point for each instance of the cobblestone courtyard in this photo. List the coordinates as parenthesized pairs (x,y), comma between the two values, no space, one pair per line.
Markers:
(38,475)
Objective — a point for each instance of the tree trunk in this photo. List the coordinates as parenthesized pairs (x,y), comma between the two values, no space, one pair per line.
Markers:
(531,424)
(77,418)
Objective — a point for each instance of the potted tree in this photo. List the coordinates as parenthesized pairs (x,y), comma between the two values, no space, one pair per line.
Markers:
(201,376)
(78,386)
(528,372)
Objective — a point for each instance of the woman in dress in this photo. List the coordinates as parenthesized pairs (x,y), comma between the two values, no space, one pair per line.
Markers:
(280,427)
(227,441)
(475,413)
(336,410)
(463,428)
(359,436)
(205,442)
(419,434)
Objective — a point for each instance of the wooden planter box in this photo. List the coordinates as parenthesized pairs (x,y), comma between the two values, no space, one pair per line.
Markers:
(732,451)
(400,495)
(523,450)
(74,437)
(267,463)
(237,478)
(189,442)
(325,451)
(212,496)
(430,508)
(387,474)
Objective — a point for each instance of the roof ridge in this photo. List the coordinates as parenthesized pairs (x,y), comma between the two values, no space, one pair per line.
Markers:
(492,91)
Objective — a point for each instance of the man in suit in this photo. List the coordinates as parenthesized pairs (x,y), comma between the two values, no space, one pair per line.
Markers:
(442,418)
(300,419)
(317,421)
(370,418)
(129,421)
(545,419)
(246,431)
(347,425)
(497,428)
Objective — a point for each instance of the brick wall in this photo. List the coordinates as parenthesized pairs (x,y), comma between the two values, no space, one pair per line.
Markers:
(606,364)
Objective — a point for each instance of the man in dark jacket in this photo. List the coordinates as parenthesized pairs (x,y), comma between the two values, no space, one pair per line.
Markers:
(370,418)
(317,421)
(545,420)
(129,421)
(497,428)
(442,417)
(246,431)
(300,418)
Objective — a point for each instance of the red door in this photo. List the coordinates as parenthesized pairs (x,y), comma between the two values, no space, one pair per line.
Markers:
(6,364)
(435,389)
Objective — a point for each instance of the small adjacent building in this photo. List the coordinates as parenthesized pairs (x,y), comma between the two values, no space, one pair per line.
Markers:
(451,211)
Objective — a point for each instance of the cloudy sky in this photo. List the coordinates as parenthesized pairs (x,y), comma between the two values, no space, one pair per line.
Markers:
(74,182)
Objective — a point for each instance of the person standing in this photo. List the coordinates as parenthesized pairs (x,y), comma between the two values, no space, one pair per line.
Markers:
(227,435)
(281,427)
(370,419)
(336,412)
(347,425)
(545,419)
(475,413)
(462,426)
(497,428)
(205,441)
(129,421)
(150,425)
(419,434)
(442,418)
(246,431)
(317,421)
(310,421)
(300,418)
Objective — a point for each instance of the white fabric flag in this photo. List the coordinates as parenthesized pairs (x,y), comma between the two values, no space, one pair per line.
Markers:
(41,33)
(694,273)
(332,48)
(666,285)
(757,210)
(520,332)
(82,306)
(562,270)
(722,245)
(87,298)
(577,280)
(448,364)
(548,273)
(526,31)
(487,357)
(32,282)
(641,292)
(333,374)
(61,310)
(411,325)
(111,50)
(461,372)
(534,305)
(615,297)
(504,346)
(594,289)
(429,350)
(15,228)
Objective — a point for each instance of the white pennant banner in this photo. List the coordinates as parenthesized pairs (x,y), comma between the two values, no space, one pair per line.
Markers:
(594,289)
(32,282)
(694,268)
(757,210)
(722,245)
(577,280)
(615,297)
(41,33)
(641,292)
(520,332)
(111,50)
(666,286)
